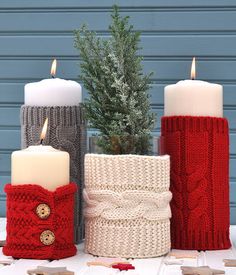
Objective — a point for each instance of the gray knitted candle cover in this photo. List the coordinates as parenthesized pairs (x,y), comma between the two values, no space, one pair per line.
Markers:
(67,132)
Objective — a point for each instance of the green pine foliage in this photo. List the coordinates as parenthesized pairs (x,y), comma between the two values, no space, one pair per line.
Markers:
(118,104)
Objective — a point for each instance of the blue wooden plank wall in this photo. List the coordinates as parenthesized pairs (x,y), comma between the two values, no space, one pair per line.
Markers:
(32,32)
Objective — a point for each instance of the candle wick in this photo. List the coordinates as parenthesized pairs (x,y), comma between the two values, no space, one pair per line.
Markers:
(52,76)
(41,141)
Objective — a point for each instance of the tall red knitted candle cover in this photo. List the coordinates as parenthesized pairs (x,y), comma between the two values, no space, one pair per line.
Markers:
(40,223)
(199,151)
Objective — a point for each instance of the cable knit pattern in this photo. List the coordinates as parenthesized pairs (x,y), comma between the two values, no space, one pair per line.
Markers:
(24,225)
(67,132)
(199,151)
(127,205)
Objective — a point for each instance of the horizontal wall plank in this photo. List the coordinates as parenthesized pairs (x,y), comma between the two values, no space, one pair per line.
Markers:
(107,3)
(233,171)
(2,207)
(233,192)
(10,116)
(223,70)
(143,20)
(157,94)
(5,162)
(164,70)
(13,93)
(233,215)
(4,180)
(10,139)
(152,45)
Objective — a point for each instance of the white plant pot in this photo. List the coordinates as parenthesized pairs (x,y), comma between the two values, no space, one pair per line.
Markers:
(127,208)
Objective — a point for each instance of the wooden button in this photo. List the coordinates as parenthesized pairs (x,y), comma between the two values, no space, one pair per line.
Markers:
(47,237)
(43,211)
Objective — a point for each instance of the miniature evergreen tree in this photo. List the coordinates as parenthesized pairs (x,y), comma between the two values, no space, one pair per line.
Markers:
(118,104)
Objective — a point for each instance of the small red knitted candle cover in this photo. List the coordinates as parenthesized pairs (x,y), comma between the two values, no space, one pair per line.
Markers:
(40,222)
(199,152)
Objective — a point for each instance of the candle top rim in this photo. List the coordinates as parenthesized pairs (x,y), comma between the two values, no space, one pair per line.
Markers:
(195,82)
(54,80)
(39,149)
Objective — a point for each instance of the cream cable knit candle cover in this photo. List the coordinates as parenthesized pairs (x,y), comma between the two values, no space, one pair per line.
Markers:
(127,205)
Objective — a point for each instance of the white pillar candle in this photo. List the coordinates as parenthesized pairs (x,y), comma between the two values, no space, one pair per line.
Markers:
(40,165)
(193,98)
(53,92)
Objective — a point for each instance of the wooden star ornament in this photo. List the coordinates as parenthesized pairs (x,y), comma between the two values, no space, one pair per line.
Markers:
(43,270)
(230,262)
(6,261)
(201,270)
(2,243)
(107,262)
(183,254)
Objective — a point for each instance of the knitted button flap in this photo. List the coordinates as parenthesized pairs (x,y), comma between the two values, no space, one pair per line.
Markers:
(40,223)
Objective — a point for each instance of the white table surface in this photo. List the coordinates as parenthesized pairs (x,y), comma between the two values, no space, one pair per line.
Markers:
(154,266)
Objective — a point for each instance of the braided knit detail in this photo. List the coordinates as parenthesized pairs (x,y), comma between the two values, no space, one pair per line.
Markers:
(24,226)
(199,151)
(67,132)
(127,205)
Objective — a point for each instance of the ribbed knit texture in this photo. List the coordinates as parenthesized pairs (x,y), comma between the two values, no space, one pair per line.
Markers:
(24,226)
(199,152)
(127,205)
(67,132)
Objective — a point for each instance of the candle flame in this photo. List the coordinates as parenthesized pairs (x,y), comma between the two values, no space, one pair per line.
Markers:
(44,131)
(54,68)
(193,69)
